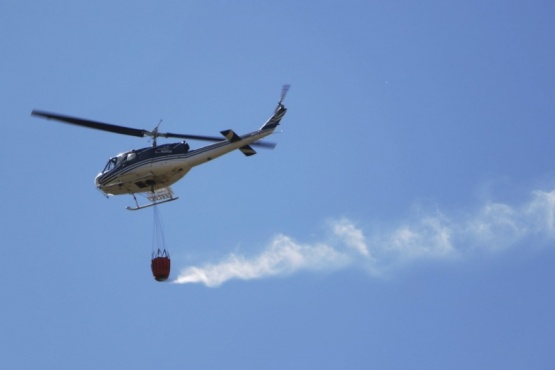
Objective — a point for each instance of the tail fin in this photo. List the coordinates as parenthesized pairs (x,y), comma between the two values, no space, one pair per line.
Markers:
(272,123)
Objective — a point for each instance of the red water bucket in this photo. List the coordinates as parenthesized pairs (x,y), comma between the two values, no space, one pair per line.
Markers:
(160,266)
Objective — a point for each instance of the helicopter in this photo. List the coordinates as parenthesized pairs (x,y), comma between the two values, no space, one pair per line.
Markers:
(152,170)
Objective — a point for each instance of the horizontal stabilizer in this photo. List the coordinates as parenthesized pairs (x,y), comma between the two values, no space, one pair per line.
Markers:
(233,138)
(247,150)
(231,135)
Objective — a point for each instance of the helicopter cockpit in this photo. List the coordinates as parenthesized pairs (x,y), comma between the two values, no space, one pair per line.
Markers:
(110,165)
(117,160)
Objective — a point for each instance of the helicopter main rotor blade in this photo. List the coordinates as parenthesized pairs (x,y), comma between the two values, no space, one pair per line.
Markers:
(264,144)
(133,131)
(192,137)
(260,144)
(91,124)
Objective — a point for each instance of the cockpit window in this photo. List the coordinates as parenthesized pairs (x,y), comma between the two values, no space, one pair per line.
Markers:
(119,159)
(111,164)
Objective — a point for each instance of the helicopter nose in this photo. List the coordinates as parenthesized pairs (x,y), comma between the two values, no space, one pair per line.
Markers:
(97,180)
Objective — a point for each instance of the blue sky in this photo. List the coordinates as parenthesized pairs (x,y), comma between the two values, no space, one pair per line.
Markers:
(406,218)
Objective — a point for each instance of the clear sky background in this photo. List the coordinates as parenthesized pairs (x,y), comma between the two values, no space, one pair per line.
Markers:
(406,218)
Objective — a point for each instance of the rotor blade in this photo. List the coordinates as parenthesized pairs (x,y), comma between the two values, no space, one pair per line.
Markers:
(264,144)
(261,144)
(284,91)
(192,137)
(91,124)
(133,131)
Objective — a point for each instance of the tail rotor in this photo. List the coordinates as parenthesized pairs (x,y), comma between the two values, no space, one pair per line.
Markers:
(284,91)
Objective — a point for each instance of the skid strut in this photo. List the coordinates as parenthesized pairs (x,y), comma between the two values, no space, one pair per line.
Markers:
(159,196)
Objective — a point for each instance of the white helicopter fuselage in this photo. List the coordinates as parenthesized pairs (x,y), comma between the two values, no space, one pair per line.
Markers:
(153,168)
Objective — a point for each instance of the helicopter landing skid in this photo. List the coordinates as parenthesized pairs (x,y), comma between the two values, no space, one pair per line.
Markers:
(150,204)
(156,197)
